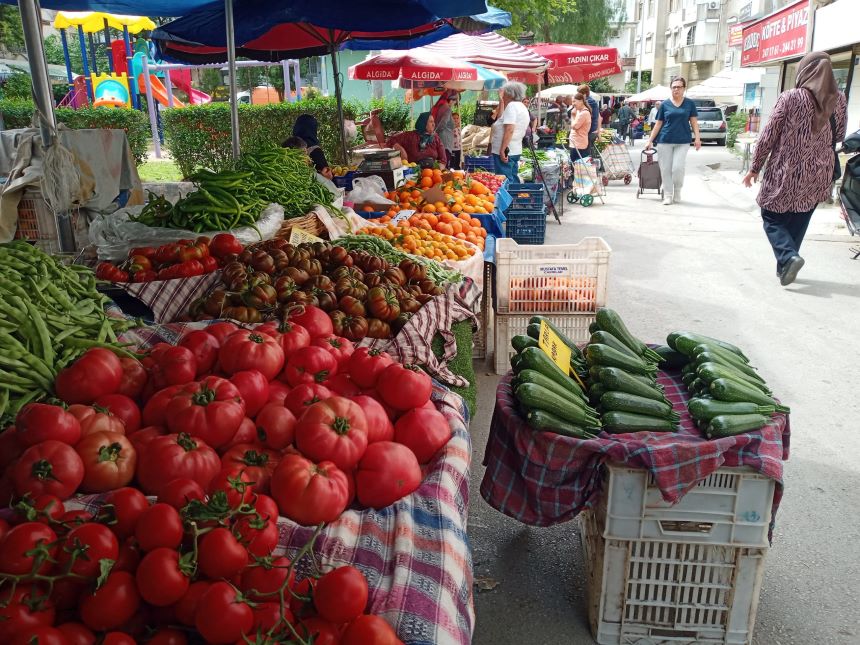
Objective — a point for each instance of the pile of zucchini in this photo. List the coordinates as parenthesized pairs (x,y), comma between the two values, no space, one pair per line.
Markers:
(550,399)
(622,374)
(729,395)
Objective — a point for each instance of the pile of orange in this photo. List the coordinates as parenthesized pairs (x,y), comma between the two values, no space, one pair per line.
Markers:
(421,241)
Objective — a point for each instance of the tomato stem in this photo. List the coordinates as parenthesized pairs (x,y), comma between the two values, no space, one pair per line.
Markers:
(340,425)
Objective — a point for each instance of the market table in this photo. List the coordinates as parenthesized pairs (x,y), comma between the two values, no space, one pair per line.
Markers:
(542,479)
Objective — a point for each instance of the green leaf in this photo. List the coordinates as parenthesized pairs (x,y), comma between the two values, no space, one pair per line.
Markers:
(105,567)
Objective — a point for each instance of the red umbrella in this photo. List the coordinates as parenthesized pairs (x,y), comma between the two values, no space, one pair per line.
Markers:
(413,66)
(572,63)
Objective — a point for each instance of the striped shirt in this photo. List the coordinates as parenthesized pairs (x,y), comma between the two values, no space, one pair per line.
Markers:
(799,169)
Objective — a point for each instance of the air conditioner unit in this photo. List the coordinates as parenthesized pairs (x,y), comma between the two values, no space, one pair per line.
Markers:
(713,5)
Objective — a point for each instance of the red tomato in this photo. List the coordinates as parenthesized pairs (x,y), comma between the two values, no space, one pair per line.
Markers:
(96,419)
(221,331)
(37,422)
(129,556)
(221,555)
(221,616)
(275,426)
(266,507)
(159,526)
(369,630)
(118,638)
(257,534)
(173,456)
(19,553)
(77,634)
(109,461)
(257,462)
(179,492)
(50,467)
(155,410)
(76,517)
(365,365)
(186,607)
(339,347)
(333,430)
(126,507)
(387,472)
(10,448)
(167,636)
(278,391)
(170,365)
(253,388)
(423,431)
(267,615)
(42,635)
(309,365)
(236,485)
(249,350)
(322,631)
(309,493)
(404,387)
(301,598)
(25,608)
(111,605)
(92,542)
(314,319)
(205,348)
(94,374)
(262,580)
(211,410)
(342,385)
(142,437)
(123,408)
(162,577)
(379,426)
(225,244)
(134,378)
(292,337)
(43,508)
(302,396)
(341,595)
(247,433)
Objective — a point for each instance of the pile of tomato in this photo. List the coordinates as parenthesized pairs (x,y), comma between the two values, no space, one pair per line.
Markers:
(180,259)
(492,181)
(226,431)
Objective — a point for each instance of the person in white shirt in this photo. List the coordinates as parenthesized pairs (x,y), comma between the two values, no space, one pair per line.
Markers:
(652,115)
(507,139)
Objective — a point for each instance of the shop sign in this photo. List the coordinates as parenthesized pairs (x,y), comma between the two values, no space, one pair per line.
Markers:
(746,11)
(627,62)
(553,347)
(736,34)
(780,35)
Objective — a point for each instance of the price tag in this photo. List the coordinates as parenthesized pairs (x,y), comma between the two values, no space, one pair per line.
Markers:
(402,215)
(299,236)
(553,347)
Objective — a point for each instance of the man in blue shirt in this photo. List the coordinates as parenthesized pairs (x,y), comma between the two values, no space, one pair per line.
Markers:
(595,116)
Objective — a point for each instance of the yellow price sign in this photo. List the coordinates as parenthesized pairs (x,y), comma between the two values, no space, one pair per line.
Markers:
(299,236)
(554,347)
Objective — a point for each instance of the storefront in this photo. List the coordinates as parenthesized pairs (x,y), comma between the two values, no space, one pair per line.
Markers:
(835,31)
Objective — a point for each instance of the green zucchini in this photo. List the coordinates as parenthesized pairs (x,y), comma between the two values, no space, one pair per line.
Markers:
(707,409)
(522,341)
(727,425)
(596,391)
(533,376)
(548,422)
(618,380)
(605,338)
(516,362)
(574,348)
(688,340)
(732,391)
(605,356)
(534,358)
(593,327)
(697,386)
(624,402)
(535,397)
(610,321)
(710,353)
(686,379)
(620,422)
(712,371)
(670,359)
(533,330)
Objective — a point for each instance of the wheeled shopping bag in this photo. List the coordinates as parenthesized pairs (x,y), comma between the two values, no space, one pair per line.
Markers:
(649,173)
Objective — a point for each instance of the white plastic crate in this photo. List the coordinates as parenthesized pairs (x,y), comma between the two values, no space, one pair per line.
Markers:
(485,316)
(732,506)
(561,278)
(669,593)
(574,326)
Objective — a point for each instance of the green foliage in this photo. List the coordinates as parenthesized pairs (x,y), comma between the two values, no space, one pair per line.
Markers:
(394,116)
(159,171)
(19,114)
(536,15)
(737,124)
(630,86)
(11,31)
(601,86)
(54,52)
(18,86)
(467,112)
(589,23)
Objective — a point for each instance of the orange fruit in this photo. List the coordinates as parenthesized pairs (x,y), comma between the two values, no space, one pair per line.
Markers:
(426,172)
(426,182)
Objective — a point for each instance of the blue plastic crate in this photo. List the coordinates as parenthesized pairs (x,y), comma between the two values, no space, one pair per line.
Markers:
(478,163)
(526,226)
(525,196)
(344,181)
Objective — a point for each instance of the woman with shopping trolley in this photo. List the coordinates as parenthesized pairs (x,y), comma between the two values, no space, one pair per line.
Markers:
(675,119)
(580,124)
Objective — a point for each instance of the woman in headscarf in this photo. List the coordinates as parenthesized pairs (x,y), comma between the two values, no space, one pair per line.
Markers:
(305,128)
(797,144)
(420,143)
(443,118)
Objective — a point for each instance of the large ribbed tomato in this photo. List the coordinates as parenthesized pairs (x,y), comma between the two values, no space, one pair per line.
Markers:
(333,430)
(248,350)
(211,409)
(310,493)
(176,456)
(387,472)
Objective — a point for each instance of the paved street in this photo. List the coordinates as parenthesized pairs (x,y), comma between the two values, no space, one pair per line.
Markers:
(706,265)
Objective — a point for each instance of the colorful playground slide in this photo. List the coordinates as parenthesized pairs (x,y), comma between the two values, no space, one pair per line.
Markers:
(181,78)
(159,92)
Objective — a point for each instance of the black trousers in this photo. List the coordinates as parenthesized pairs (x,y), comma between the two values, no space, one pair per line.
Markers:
(785,232)
(454,157)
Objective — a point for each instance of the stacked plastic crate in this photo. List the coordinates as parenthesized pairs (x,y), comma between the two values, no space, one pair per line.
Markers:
(526,216)
(684,573)
(564,282)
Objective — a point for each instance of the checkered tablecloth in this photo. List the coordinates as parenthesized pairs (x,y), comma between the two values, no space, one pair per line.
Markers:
(541,478)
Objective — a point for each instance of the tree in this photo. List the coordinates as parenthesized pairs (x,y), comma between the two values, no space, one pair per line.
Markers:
(630,86)
(601,86)
(590,23)
(11,31)
(534,15)
(54,53)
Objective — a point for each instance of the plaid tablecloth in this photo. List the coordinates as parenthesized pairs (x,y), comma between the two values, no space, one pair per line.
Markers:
(541,478)
(169,300)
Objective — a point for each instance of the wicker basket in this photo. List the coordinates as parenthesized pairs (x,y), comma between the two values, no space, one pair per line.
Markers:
(309,223)
(38,223)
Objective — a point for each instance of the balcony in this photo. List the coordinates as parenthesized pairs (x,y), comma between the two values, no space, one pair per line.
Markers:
(696,53)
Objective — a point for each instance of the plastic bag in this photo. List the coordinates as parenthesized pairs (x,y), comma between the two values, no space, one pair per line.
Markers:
(368,189)
(113,235)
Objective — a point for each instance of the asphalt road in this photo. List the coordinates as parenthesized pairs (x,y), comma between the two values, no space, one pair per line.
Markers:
(705,265)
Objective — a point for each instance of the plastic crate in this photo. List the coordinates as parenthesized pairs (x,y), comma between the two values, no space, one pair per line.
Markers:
(485,316)
(525,196)
(526,226)
(471,164)
(344,181)
(506,326)
(37,223)
(560,278)
(730,507)
(661,592)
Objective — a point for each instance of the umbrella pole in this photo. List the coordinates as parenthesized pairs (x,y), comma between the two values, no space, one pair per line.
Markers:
(231,79)
(339,99)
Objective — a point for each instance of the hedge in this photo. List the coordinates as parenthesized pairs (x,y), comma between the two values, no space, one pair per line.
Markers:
(198,136)
(19,114)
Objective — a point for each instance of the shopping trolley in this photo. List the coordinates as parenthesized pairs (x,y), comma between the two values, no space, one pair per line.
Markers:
(586,182)
(617,163)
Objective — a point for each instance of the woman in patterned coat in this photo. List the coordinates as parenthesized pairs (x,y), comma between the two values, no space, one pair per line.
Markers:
(797,144)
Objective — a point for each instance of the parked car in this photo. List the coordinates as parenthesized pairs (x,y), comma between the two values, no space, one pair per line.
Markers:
(712,125)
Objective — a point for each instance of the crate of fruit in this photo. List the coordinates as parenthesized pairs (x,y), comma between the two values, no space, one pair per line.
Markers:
(506,326)
(561,278)
(525,196)
(526,226)
(471,163)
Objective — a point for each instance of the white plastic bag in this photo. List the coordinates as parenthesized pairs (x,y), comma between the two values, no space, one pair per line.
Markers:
(368,189)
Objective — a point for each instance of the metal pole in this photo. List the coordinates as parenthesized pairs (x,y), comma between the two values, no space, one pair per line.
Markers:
(68,59)
(285,70)
(93,54)
(641,47)
(42,95)
(132,79)
(231,79)
(150,107)
(83,42)
(169,87)
(339,100)
(298,79)
(107,44)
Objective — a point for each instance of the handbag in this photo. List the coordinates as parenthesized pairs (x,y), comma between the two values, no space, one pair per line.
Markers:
(837,167)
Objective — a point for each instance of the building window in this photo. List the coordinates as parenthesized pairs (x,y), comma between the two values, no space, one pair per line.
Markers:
(674,5)
(637,12)
(650,7)
(649,44)
(691,35)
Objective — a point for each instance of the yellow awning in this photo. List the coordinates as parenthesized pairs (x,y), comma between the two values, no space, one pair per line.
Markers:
(94,21)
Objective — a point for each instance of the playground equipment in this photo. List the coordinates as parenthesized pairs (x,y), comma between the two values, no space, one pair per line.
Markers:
(110,90)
